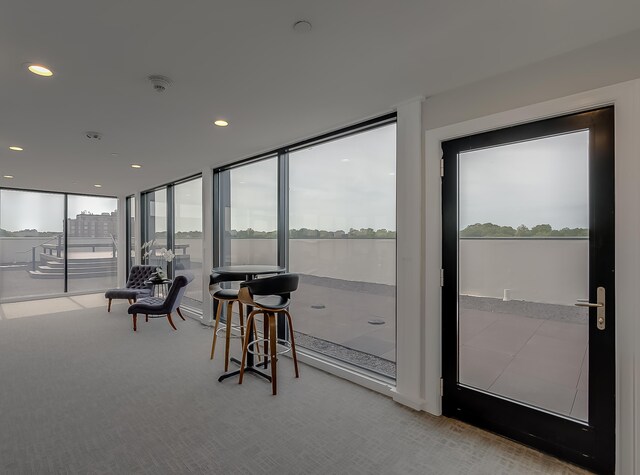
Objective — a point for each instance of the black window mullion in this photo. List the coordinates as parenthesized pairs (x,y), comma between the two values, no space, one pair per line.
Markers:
(283,210)
(170,226)
(65,237)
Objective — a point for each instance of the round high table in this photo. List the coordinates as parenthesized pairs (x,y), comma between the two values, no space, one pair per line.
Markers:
(249,272)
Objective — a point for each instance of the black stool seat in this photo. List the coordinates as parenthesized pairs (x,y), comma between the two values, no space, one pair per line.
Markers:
(225,294)
(271,302)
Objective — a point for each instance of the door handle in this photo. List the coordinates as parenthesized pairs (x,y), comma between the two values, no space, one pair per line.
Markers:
(599,305)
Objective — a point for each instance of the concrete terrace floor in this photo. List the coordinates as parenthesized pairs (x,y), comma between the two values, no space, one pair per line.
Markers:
(539,361)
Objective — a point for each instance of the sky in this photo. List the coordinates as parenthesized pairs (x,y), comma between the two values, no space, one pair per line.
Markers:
(350,183)
(342,184)
(543,181)
(45,211)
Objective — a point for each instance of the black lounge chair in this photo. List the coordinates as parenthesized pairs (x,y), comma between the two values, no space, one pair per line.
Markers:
(135,288)
(158,307)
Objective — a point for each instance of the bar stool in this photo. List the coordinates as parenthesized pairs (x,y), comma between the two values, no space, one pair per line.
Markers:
(228,296)
(270,296)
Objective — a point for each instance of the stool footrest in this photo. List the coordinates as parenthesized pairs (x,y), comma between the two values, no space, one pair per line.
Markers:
(223,329)
(285,343)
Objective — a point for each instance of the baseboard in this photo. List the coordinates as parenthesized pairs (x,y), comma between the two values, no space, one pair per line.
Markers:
(416,404)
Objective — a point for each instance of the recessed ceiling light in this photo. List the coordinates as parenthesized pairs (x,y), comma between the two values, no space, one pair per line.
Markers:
(302,26)
(97,185)
(136,166)
(392,174)
(15,148)
(8,176)
(114,154)
(221,123)
(345,160)
(40,70)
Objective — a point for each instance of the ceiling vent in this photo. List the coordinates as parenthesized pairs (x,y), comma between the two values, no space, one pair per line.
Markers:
(93,135)
(160,83)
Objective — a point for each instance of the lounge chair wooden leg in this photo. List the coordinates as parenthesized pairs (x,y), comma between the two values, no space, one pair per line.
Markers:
(109,307)
(245,348)
(179,313)
(171,321)
(135,321)
(273,335)
(130,301)
(146,317)
(293,343)
(227,334)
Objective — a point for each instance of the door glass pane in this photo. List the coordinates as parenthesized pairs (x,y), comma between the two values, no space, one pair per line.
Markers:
(342,242)
(524,261)
(250,207)
(92,227)
(188,237)
(31,244)
(156,228)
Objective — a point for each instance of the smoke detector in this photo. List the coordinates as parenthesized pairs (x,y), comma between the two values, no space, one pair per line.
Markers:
(93,135)
(160,83)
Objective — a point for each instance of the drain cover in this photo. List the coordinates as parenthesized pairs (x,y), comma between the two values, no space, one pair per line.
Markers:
(318,307)
(377,321)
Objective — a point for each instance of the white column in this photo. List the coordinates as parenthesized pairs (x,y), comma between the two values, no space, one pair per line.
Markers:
(410,261)
(207,243)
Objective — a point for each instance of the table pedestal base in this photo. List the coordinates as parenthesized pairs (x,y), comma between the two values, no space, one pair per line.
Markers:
(247,369)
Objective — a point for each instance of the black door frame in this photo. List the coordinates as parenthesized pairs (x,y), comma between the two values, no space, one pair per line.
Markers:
(590,445)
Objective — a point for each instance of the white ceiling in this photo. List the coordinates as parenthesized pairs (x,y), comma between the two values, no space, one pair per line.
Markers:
(241,60)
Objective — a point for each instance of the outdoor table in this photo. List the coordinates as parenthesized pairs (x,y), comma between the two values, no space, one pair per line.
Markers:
(249,272)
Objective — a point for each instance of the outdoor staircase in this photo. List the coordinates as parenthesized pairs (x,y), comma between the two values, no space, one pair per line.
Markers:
(52,267)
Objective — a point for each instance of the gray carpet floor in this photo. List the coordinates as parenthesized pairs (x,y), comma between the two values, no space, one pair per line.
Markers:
(81,393)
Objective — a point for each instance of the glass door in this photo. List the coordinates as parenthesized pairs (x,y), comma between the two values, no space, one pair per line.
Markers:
(528,313)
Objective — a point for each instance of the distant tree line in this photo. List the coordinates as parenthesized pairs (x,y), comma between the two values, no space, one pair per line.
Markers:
(27,233)
(540,230)
(306,233)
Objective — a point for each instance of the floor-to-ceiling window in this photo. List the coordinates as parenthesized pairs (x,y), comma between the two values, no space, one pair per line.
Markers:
(333,198)
(248,199)
(131,232)
(51,243)
(155,227)
(92,238)
(172,221)
(187,222)
(31,244)
(342,242)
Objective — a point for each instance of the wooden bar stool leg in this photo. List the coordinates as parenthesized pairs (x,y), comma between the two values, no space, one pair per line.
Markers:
(273,335)
(215,328)
(265,332)
(135,321)
(245,347)
(240,313)
(293,343)
(227,334)
(109,307)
